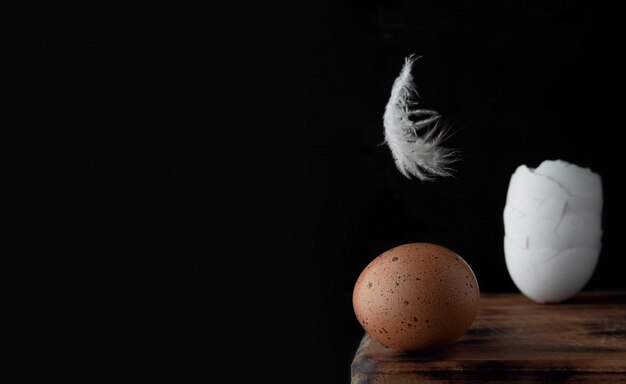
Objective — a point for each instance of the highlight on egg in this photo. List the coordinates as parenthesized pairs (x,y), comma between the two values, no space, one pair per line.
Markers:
(416,297)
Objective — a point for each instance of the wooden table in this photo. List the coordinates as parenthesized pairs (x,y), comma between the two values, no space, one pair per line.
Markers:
(514,340)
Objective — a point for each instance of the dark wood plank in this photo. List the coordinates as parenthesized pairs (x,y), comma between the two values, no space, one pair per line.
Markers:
(516,340)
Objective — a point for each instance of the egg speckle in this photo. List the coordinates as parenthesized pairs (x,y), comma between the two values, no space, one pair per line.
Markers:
(416,296)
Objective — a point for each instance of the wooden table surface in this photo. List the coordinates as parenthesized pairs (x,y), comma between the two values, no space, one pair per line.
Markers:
(515,340)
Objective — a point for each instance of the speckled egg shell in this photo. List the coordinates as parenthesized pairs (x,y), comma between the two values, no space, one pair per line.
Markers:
(416,296)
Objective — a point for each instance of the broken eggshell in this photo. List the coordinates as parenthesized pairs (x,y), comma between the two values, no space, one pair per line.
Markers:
(536,232)
(553,229)
(548,275)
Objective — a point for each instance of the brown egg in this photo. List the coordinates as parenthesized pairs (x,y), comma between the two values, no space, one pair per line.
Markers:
(416,297)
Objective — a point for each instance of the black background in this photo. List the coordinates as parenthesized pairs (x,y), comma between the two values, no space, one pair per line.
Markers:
(200,186)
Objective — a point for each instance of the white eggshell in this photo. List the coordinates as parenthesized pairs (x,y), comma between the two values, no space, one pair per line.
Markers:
(517,222)
(587,206)
(550,276)
(583,186)
(545,192)
(533,256)
(580,230)
(553,229)
(534,232)
(536,195)
(577,181)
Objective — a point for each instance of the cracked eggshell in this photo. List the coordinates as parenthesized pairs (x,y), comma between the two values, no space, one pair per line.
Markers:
(416,296)
(517,222)
(577,181)
(553,229)
(550,276)
(555,187)
(536,195)
(583,186)
(538,232)
(581,230)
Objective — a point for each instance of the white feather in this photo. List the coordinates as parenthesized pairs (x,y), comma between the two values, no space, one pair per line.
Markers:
(414,136)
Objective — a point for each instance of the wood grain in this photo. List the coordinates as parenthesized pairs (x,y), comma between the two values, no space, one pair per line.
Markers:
(515,340)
